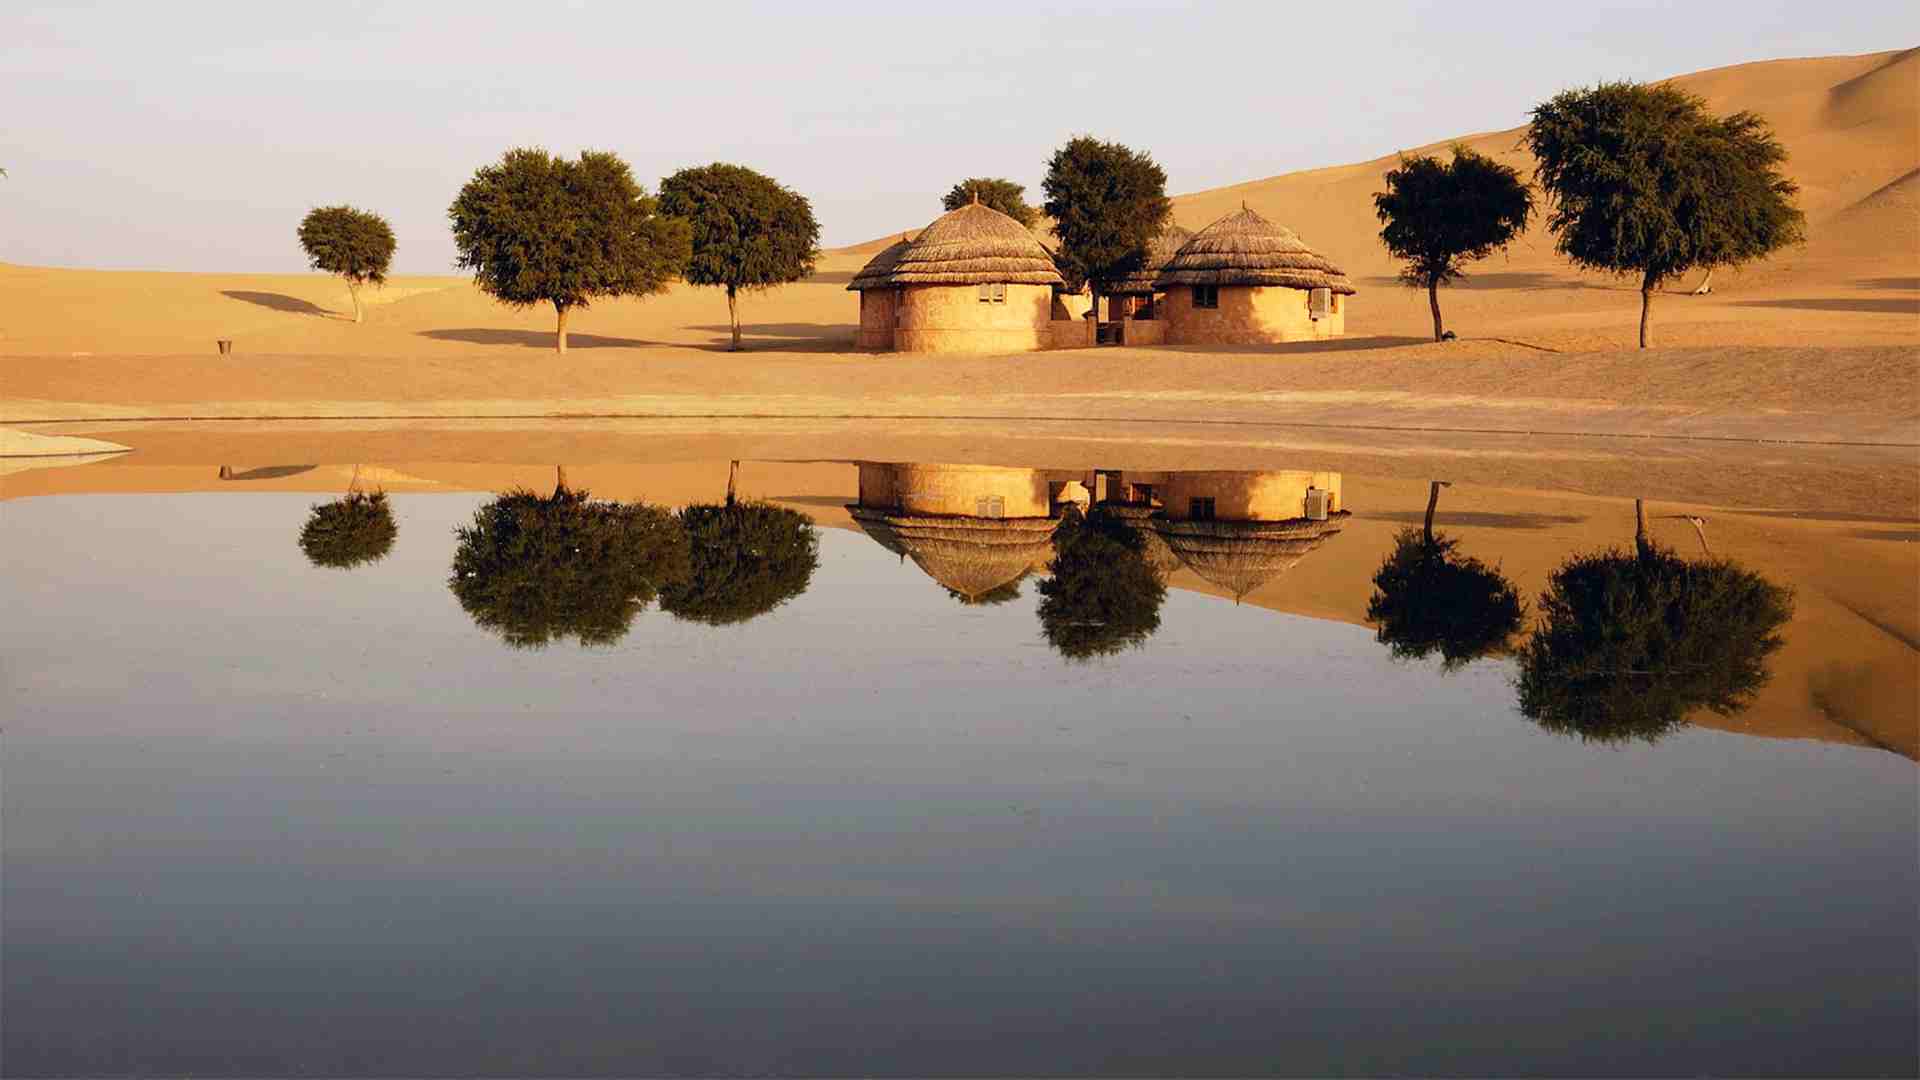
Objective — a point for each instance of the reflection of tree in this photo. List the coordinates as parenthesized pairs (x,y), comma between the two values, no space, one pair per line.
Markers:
(535,569)
(1630,643)
(1429,598)
(748,558)
(1102,597)
(349,532)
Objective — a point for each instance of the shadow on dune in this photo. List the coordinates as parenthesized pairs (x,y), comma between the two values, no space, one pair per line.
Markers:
(829,277)
(1906,284)
(1893,307)
(786,337)
(292,305)
(1530,279)
(1479,518)
(533,339)
(265,472)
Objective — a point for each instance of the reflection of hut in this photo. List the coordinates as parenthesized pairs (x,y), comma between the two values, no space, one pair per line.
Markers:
(1244,280)
(974,281)
(972,528)
(1239,530)
(879,298)
(1132,296)
(1153,546)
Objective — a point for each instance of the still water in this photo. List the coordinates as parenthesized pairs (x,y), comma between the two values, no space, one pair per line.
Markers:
(267,816)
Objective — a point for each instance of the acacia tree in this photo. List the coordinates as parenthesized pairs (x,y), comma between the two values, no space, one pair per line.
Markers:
(535,228)
(748,231)
(357,245)
(1003,195)
(1107,203)
(1437,217)
(1642,179)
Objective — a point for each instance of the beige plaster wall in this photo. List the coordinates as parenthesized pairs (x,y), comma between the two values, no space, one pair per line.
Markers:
(954,489)
(1143,332)
(1275,495)
(877,307)
(951,318)
(1071,334)
(1247,315)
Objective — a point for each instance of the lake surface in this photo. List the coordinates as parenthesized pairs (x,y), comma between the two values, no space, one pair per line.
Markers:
(264,817)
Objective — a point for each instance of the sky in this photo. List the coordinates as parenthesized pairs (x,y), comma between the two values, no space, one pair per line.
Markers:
(194,136)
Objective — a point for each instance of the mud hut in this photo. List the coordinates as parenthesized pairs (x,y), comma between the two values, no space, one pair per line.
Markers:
(974,529)
(1240,530)
(1244,280)
(1132,296)
(879,298)
(974,281)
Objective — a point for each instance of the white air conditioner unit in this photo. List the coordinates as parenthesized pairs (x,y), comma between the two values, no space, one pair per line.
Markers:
(1319,504)
(1318,303)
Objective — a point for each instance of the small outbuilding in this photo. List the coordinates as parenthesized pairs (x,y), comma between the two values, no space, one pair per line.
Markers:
(1244,280)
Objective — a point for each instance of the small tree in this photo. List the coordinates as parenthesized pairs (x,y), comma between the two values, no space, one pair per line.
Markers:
(1107,203)
(1102,596)
(349,532)
(1003,195)
(748,558)
(354,244)
(1642,179)
(1428,598)
(536,228)
(1437,217)
(748,231)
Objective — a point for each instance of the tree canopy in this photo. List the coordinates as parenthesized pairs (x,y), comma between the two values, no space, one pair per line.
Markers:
(537,569)
(1001,194)
(1436,216)
(1644,180)
(747,559)
(349,532)
(1108,203)
(1428,598)
(535,228)
(1630,643)
(1101,597)
(354,244)
(748,232)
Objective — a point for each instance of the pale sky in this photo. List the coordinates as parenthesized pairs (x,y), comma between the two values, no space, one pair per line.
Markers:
(194,136)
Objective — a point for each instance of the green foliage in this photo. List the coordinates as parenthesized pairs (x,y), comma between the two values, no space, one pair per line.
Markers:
(1108,203)
(748,231)
(748,558)
(355,244)
(1428,598)
(1003,195)
(1642,179)
(1436,217)
(1102,597)
(536,228)
(1629,644)
(349,532)
(537,569)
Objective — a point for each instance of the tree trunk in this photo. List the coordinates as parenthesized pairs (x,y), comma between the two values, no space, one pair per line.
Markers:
(1093,312)
(353,484)
(733,480)
(560,328)
(1642,543)
(1433,500)
(353,290)
(560,480)
(733,316)
(1646,306)
(1433,301)
(1706,284)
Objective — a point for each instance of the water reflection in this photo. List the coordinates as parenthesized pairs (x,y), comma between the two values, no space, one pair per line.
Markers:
(747,559)
(351,531)
(977,530)
(1630,643)
(1428,598)
(536,569)
(1241,529)
(1102,597)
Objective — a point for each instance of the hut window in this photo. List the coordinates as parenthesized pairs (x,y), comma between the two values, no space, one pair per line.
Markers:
(994,294)
(1200,509)
(990,506)
(1336,303)
(1206,296)
(1317,300)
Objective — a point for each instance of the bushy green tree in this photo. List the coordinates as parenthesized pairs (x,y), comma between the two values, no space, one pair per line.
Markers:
(1003,195)
(356,245)
(1429,598)
(349,532)
(747,559)
(748,231)
(1101,596)
(1108,203)
(1436,217)
(535,228)
(536,569)
(1644,180)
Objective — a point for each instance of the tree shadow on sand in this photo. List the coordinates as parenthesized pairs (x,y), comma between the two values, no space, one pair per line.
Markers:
(1905,284)
(1481,519)
(1892,307)
(292,305)
(784,337)
(533,339)
(1329,345)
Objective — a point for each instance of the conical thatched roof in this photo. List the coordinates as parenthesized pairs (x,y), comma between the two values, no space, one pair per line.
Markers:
(874,274)
(1244,248)
(975,245)
(1241,556)
(1165,246)
(971,556)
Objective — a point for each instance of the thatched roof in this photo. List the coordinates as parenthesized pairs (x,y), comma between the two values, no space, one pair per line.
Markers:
(1241,556)
(874,274)
(971,556)
(1163,249)
(1244,248)
(975,245)
(1154,549)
